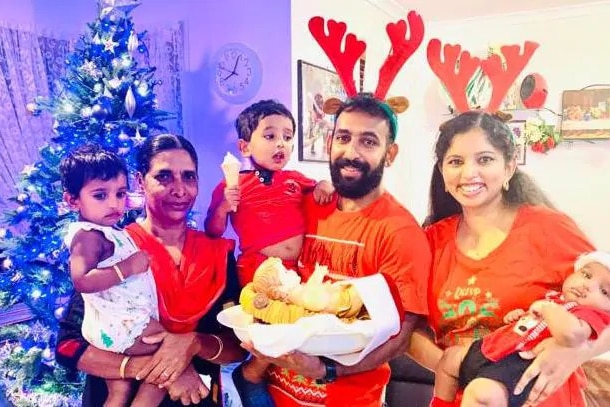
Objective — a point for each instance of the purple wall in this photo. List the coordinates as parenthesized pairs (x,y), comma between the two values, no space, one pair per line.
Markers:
(264,25)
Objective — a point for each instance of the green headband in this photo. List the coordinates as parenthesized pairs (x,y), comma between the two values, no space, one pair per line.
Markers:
(392,117)
(337,106)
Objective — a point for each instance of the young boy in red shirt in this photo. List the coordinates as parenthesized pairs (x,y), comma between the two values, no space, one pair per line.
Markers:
(489,369)
(265,207)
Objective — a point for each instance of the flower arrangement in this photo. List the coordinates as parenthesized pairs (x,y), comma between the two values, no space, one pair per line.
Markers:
(540,136)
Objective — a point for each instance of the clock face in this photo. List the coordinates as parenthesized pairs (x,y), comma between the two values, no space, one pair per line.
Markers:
(238,73)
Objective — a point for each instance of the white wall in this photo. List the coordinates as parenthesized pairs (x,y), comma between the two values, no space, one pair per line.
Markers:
(572,54)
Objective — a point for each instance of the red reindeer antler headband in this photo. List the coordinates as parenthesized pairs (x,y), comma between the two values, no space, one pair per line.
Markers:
(458,68)
(345,61)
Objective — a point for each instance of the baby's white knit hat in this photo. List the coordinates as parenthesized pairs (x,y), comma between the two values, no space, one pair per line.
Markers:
(600,257)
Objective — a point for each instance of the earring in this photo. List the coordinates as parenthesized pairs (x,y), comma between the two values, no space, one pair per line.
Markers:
(506,185)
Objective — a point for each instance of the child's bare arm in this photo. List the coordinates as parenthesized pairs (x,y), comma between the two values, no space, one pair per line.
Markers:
(86,251)
(566,328)
(139,347)
(224,201)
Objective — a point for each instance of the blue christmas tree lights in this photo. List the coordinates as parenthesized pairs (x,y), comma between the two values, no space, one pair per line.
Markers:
(107,96)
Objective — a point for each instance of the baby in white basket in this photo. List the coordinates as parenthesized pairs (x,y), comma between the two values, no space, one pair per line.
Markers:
(107,267)
(277,295)
(342,321)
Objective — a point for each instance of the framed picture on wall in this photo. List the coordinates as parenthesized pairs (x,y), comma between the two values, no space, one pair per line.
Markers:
(518,129)
(586,114)
(315,85)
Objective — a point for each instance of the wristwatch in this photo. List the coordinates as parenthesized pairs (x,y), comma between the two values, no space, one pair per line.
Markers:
(331,371)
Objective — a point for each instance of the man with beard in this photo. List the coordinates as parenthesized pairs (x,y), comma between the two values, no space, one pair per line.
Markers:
(365,231)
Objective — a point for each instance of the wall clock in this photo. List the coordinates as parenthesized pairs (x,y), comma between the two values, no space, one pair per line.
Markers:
(238,73)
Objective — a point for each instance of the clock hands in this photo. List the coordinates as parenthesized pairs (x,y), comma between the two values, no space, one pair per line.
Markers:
(231,74)
(236,63)
(234,71)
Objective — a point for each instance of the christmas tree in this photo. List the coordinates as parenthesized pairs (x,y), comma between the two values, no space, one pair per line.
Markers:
(106,97)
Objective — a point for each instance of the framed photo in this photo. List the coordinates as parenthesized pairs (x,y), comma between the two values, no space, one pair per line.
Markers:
(518,129)
(315,85)
(586,114)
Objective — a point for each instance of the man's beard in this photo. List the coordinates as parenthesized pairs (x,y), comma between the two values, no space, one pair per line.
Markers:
(358,187)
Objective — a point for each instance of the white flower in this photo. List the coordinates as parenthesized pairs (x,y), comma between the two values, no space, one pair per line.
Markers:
(533,134)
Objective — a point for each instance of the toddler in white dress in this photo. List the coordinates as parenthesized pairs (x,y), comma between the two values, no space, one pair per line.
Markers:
(107,267)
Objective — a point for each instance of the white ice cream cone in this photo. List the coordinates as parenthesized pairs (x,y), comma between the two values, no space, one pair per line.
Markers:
(230,168)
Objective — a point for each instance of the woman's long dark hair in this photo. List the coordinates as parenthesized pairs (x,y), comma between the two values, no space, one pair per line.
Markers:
(522,188)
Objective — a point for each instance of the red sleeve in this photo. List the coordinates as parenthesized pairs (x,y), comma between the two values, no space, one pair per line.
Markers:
(596,318)
(563,242)
(438,235)
(217,196)
(314,211)
(395,292)
(307,184)
(440,232)
(405,257)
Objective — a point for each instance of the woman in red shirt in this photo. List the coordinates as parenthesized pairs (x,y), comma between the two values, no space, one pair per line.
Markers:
(497,242)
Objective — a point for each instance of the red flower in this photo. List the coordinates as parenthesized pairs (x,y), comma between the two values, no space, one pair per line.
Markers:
(539,147)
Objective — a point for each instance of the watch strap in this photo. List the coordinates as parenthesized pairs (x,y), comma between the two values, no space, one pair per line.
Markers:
(330,367)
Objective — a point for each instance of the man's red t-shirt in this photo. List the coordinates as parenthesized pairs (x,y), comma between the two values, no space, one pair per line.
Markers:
(382,238)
